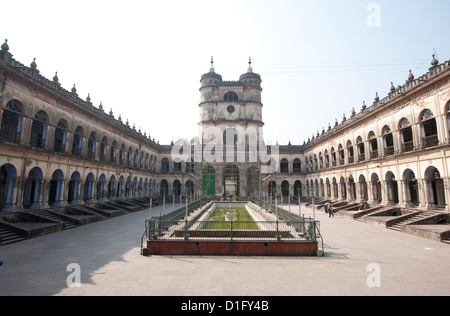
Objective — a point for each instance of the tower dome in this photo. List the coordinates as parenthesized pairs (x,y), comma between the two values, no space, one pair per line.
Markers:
(250,78)
(211,78)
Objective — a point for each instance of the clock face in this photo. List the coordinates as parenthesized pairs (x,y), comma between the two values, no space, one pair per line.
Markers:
(230,109)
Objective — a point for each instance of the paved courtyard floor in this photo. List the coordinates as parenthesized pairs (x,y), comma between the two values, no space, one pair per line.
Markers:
(360,259)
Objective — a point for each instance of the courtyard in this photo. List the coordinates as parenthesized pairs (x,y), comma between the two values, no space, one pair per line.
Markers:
(360,259)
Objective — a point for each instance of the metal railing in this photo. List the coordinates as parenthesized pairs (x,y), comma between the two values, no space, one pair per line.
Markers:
(289,227)
(305,230)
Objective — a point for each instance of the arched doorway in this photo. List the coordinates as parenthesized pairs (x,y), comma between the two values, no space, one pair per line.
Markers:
(189,187)
(272,189)
(209,181)
(164,188)
(111,184)
(88,188)
(74,184)
(376,188)
(101,189)
(8,174)
(285,191)
(120,187)
(252,181)
(435,188)
(32,188)
(298,188)
(335,189)
(352,188)
(391,188)
(176,188)
(363,187)
(55,190)
(343,188)
(328,185)
(231,180)
(411,188)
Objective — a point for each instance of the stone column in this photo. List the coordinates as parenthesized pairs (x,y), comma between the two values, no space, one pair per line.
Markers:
(45,193)
(406,193)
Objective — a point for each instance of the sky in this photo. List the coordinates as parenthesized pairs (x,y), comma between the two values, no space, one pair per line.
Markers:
(143,59)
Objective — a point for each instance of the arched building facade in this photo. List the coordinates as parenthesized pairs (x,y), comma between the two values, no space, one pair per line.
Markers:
(58,149)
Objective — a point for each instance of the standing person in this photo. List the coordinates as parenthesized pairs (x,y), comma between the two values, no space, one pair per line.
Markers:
(330,211)
(326,207)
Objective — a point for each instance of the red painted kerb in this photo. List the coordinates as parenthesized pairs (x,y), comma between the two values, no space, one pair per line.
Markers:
(231,248)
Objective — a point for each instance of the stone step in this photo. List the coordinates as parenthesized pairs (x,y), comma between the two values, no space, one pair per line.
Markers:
(67,224)
(8,236)
(398,226)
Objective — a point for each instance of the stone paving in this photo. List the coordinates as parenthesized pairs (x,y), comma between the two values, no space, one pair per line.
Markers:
(360,259)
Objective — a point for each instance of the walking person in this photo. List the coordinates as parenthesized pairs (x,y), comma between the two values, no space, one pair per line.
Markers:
(330,211)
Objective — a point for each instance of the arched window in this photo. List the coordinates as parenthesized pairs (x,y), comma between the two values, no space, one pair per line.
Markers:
(360,148)
(284,166)
(39,130)
(92,145)
(129,154)
(373,145)
(350,152)
(406,135)
(77,144)
(136,158)
(327,159)
(122,155)
(11,127)
(429,129)
(177,165)
(297,166)
(231,97)
(165,165)
(341,154)
(190,166)
(388,141)
(103,149)
(113,152)
(333,157)
(59,144)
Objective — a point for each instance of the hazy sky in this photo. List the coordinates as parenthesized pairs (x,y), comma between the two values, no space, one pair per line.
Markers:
(144,59)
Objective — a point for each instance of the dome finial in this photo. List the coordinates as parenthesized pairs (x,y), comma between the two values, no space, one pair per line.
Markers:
(212,64)
(249,65)
(5,46)
(434,61)
(33,64)
(410,76)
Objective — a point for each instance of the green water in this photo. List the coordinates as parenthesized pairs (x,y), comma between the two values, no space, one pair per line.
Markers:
(244,220)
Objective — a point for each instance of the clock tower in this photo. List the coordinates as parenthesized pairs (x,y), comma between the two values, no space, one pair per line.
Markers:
(230,124)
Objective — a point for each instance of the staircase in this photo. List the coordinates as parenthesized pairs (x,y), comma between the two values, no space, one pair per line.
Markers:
(408,220)
(56,217)
(91,210)
(8,236)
